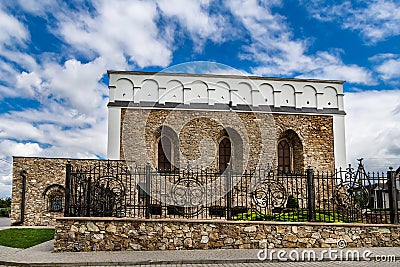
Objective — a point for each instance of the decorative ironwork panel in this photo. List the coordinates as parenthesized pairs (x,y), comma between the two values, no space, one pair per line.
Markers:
(269,194)
(98,190)
(351,191)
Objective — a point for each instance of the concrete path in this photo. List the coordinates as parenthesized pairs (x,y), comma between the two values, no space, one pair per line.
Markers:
(43,255)
(4,222)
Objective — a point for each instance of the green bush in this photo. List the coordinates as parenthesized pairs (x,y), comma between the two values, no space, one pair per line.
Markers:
(5,203)
(255,216)
(5,212)
(293,216)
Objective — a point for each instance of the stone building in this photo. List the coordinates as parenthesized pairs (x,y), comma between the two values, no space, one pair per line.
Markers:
(170,120)
(205,119)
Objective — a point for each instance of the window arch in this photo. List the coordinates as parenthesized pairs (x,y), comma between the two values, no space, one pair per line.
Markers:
(164,154)
(284,156)
(224,153)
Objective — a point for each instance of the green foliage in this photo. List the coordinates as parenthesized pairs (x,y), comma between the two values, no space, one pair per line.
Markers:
(5,203)
(255,216)
(5,212)
(293,216)
(24,237)
(292,202)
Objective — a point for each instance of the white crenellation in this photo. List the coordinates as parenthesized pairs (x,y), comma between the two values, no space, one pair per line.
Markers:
(211,89)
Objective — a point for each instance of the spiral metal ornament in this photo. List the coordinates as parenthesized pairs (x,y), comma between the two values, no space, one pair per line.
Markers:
(189,194)
(269,194)
(351,195)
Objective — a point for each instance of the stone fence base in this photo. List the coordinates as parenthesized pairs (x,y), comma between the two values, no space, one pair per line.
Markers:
(115,234)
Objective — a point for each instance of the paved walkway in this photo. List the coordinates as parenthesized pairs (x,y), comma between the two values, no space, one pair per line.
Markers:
(43,255)
(4,222)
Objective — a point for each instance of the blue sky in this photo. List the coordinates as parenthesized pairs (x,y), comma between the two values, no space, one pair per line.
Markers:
(54,56)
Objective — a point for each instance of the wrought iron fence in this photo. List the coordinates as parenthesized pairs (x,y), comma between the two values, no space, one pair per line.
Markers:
(114,188)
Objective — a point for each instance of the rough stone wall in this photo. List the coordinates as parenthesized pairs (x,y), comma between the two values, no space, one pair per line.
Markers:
(40,174)
(316,135)
(111,234)
(200,132)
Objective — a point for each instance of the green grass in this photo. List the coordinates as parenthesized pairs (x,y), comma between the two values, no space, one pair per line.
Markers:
(24,237)
(292,216)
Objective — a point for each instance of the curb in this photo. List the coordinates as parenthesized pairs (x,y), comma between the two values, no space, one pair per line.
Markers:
(166,262)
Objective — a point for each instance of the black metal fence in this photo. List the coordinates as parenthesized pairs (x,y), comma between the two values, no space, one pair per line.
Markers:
(114,188)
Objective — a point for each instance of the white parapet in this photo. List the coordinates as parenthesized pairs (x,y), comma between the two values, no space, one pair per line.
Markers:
(161,88)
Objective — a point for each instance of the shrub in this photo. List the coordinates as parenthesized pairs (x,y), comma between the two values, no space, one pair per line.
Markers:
(255,216)
(5,212)
(293,216)
(5,203)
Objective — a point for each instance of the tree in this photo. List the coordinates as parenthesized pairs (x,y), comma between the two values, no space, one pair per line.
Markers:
(5,202)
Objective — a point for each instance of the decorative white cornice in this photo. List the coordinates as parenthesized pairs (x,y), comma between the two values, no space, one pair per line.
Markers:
(224,89)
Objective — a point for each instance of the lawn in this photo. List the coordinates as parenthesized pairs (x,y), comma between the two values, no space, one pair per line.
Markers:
(24,237)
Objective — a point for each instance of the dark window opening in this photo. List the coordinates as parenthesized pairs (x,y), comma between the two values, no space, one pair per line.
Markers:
(175,210)
(155,209)
(217,211)
(224,154)
(238,210)
(284,157)
(164,154)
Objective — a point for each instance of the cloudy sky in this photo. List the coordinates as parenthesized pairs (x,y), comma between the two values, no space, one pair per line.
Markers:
(54,56)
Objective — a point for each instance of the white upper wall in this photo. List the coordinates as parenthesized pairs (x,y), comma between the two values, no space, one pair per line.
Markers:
(211,89)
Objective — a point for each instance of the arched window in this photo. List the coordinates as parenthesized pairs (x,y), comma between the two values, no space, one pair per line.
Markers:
(284,156)
(164,154)
(224,153)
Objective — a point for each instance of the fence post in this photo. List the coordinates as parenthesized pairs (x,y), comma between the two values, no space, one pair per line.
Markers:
(393,205)
(148,189)
(88,196)
(229,192)
(67,189)
(310,195)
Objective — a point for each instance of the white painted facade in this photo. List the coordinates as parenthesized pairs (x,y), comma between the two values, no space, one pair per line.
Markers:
(279,95)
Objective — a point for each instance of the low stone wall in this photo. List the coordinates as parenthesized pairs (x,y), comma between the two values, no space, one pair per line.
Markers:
(113,234)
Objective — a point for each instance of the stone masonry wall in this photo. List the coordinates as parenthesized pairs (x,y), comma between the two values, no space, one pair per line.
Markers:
(41,173)
(112,234)
(199,134)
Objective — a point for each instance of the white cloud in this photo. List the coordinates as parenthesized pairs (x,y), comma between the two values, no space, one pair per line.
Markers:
(8,147)
(5,185)
(389,69)
(40,7)
(11,29)
(116,30)
(194,17)
(375,20)
(373,128)
(278,53)
(76,83)
(339,71)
